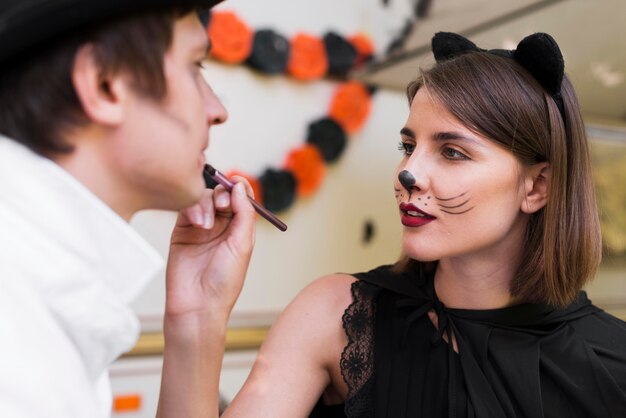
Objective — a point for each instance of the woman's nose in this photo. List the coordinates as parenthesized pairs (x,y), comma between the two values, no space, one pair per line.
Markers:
(407,180)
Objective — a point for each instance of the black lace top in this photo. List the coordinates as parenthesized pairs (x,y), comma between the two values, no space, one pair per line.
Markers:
(523,361)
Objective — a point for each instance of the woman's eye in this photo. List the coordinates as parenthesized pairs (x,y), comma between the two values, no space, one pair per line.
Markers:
(452,154)
(406,148)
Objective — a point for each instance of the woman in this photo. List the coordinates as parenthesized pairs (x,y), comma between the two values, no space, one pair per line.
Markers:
(483,316)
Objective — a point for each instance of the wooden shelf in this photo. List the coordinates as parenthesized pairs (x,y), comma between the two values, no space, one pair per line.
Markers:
(151,344)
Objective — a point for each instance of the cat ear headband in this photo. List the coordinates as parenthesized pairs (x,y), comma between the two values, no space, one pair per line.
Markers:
(538,53)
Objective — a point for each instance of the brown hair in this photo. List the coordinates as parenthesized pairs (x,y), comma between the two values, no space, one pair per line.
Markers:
(498,99)
(38,99)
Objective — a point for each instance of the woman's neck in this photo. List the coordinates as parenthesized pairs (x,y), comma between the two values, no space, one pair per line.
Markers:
(470,284)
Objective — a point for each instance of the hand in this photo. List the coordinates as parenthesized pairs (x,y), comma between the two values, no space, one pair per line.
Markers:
(210,251)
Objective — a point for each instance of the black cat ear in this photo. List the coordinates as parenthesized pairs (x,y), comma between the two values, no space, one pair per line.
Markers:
(541,56)
(447,45)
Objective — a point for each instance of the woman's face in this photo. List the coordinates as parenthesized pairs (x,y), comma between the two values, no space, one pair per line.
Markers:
(458,193)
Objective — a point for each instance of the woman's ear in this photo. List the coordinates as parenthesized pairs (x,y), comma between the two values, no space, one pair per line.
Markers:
(536,187)
(102,96)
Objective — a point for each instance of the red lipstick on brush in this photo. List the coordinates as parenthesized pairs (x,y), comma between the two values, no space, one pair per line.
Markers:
(223,180)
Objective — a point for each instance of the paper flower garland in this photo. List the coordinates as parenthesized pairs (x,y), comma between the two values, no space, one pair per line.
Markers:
(305,58)
(304,167)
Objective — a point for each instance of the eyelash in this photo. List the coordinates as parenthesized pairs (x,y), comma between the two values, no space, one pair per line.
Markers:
(404,148)
(459,154)
(407,149)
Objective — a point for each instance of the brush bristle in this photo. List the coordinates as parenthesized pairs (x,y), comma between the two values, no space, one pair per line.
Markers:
(209,168)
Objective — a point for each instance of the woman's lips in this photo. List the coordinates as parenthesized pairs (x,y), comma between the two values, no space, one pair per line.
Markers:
(413,216)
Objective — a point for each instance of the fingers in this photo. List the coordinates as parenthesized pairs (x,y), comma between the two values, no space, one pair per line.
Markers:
(244,219)
(246,183)
(190,216)
(202,214)
(221,200)
(221,203)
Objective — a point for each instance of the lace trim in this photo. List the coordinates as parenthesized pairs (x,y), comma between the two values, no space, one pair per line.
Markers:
(357,358)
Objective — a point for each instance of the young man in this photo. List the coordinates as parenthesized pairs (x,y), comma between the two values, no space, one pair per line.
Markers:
(103,113)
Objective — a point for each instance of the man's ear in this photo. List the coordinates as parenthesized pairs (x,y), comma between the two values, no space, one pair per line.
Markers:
(536,187)
(102,96)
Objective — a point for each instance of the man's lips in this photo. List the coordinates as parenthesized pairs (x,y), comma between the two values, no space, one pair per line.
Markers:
(413,216)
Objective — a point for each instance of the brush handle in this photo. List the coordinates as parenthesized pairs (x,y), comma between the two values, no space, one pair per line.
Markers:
(224,181)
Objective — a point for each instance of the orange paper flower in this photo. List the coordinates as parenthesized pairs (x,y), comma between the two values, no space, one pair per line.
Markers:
(256,186)
(307,165)
(231,38)
(351,106)
(307,60)
(364,47)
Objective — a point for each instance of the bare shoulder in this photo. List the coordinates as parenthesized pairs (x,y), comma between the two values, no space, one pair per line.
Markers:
(332,292)
(299,359)
(319,307)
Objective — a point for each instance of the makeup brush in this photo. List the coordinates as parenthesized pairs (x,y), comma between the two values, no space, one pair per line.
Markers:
(224,181)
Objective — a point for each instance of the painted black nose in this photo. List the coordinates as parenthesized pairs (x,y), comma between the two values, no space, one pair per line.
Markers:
(406,180)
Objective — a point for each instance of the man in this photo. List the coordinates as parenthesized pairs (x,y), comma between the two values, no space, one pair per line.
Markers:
(103,113)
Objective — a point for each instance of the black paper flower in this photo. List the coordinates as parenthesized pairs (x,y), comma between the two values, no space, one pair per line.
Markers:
(279,189)
(341,54)
(328,136)
(270,52)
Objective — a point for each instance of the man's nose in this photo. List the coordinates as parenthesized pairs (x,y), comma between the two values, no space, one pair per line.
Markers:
(216,113)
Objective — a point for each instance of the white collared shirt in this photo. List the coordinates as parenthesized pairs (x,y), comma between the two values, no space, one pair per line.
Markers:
(69,266)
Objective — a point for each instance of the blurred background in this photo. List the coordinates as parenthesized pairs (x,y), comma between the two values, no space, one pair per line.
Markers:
(348,221)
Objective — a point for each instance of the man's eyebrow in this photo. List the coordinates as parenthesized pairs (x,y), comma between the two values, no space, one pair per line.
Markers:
(204,48)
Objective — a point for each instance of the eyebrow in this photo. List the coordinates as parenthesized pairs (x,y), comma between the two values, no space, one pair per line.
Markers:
(442,136)
(454,136)
(407,132)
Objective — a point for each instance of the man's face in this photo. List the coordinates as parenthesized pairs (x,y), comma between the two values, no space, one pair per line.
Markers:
(161,154)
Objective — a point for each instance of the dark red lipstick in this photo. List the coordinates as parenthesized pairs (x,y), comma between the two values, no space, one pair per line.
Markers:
(413,216)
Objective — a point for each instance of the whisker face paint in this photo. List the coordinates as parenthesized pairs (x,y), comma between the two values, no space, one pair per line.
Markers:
(459,208)
(451,198)
(454,207)
(457,213)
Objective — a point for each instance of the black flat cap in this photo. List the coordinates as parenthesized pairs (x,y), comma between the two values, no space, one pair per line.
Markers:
(25,24)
